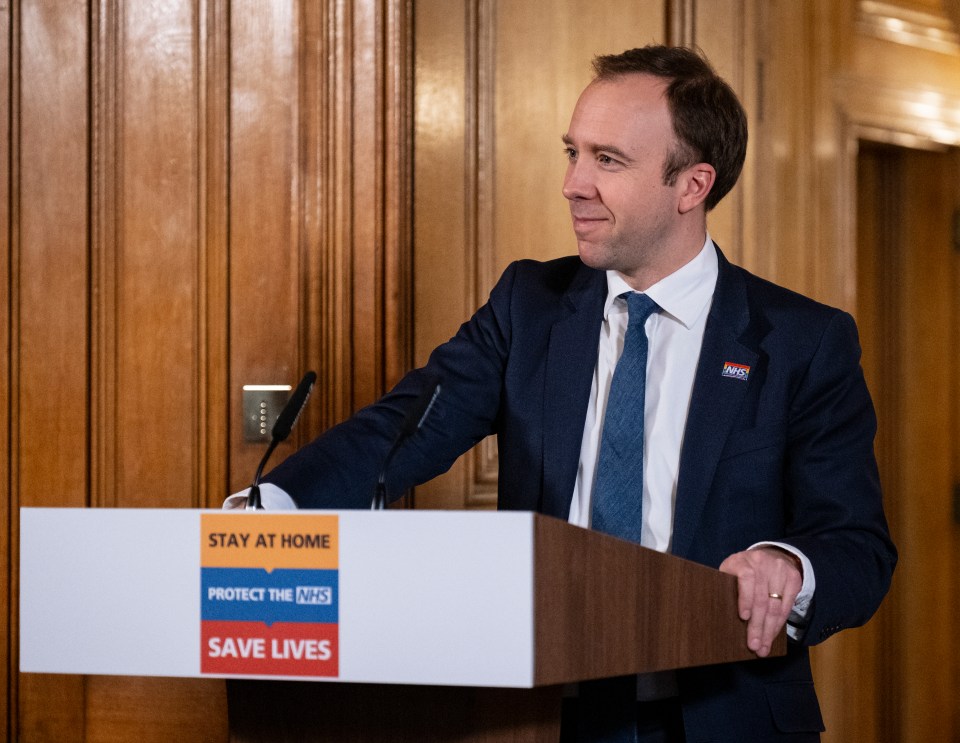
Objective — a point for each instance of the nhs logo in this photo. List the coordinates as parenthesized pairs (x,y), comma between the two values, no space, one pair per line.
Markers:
(735,371)
(314,595)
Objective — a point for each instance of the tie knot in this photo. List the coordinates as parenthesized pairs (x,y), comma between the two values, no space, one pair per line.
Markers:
(640,307)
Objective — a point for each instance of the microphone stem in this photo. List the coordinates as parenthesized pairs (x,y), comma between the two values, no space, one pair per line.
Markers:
(380,498)
(380,495)
(410,425)
(253,497)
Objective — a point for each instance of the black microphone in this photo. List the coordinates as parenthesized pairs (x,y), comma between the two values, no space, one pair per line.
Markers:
(412,422)
(281,430)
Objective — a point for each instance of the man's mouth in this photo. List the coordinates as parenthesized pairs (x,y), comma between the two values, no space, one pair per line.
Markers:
(586,222)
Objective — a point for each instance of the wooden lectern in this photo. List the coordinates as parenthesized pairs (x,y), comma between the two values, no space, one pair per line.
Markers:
(452,626)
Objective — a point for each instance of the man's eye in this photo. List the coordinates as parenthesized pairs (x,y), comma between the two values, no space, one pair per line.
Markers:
(605,160)
(570,153)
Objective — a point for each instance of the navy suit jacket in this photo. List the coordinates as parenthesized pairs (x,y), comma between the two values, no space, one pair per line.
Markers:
(785,455)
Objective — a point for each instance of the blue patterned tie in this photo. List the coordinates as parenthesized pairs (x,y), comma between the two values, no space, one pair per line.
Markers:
(618,490)
(608,706)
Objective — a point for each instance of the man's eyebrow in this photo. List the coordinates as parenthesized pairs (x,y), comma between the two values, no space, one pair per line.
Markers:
(608,149)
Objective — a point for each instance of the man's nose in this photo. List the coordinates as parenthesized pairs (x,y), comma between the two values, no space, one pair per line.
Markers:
(578,182)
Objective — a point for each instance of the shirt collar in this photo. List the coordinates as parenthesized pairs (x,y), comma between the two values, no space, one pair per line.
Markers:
(683,294)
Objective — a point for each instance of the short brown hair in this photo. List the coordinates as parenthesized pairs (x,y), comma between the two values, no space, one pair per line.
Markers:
(708,120)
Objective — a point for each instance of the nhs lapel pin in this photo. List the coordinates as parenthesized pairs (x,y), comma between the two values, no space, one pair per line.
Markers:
(735,371)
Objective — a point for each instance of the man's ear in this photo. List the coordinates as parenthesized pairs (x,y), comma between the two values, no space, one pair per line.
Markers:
(695,183)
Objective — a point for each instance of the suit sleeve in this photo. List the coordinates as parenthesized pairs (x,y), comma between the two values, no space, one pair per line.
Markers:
(834,502)
(339,469)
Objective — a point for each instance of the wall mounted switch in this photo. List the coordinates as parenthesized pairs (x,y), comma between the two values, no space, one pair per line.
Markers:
(262,404)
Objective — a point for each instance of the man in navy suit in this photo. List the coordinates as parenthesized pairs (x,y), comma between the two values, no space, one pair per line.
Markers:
(758,427)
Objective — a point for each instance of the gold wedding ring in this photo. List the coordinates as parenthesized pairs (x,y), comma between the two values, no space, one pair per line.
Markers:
(775,596)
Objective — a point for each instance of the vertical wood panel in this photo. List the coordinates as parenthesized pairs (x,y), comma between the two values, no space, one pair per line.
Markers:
(397,144)
(325,121)
(441,121)
(366,102)
(831,153)
(104,238)
(52,252)
(264,257)
(327,228)
(441,178)
(214,310)
(927,381)
(157,256)
(147,314)
(726,33)
(49,421)
(379,164)
(7,622)
(158,252)
(782,128)
(953,568)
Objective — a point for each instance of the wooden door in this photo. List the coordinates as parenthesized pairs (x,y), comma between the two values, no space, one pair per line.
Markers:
(907,686)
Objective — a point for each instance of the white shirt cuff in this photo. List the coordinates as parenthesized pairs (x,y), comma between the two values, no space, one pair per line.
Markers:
(801,605)
(272,498)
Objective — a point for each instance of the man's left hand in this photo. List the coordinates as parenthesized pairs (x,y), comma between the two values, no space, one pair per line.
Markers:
(768,582)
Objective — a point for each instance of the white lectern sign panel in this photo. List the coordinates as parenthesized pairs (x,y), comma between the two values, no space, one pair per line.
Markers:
(440,597)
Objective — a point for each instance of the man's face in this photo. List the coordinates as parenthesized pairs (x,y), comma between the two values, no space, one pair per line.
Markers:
(624,217)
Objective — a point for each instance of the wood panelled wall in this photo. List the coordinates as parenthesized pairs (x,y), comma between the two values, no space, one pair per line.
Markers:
(202,194)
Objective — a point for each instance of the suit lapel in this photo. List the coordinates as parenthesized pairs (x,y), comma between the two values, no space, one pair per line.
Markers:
(571,360)
(715,401)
